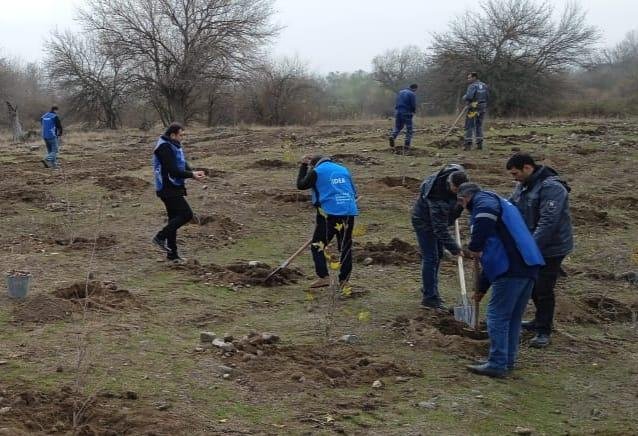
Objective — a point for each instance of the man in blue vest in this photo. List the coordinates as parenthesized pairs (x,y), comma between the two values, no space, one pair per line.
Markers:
(475,98)
(510,261)
(170,171)
(405,107)
(543,200)
(434,211)
(51,131)
(335,197)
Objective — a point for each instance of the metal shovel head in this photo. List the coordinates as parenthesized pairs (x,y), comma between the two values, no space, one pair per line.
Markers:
(466,314)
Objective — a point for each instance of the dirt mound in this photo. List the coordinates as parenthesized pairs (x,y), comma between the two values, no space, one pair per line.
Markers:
(101,296)
(210,172)
(41,308)
(250,274)
(447,143)
(354,158)
(28,411)
(407,182)
(598,131)
(122,183)
(584,216)
(396,252)
(32,196)
(610,309)
(80,243)
(570,310)
(221,224)
(293,197)
(271,163)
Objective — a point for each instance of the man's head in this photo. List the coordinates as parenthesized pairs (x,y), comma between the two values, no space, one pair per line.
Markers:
(472,77)
(174,131)
(521,166)
(456,179)
(54,108)
(414,87)
(465,193)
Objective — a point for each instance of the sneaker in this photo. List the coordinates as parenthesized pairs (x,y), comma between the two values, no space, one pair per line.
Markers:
(539,341)
(438,306)
(46,163)
(177,260)
(321,282)
(161,243)
(391,140)
(488,370)
(530,326)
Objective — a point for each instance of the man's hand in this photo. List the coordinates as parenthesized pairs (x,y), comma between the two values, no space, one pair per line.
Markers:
(471,254)
(478,296)
(199,175)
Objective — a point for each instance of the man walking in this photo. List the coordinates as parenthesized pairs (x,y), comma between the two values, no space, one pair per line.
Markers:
(51,131)
(335,197)
(434,211)
(543,200)
(510,261)
(475,99)
(170,170)
(405,107)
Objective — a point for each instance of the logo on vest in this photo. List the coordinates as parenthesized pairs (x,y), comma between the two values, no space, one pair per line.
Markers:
(338,180)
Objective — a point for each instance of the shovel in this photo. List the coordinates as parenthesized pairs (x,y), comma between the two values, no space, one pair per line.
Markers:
(286,262)
(455,121)
(465,312)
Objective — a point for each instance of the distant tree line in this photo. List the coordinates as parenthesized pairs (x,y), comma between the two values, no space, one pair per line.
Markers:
(142,62)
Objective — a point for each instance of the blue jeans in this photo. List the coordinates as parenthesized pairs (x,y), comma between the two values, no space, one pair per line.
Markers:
(431,252)
(474,127)
(52,150)
(504,314)
(403,119)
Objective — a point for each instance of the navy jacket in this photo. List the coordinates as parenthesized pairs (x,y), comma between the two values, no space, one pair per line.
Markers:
(544,203)
(168,169)
(477,92)
(485,219)
(436,209)
(406,102)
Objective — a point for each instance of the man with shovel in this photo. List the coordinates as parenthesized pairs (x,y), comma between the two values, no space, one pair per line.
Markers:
(170,171)
(434,211)
(510,260)
(335,197)
(543,200)
(476,100)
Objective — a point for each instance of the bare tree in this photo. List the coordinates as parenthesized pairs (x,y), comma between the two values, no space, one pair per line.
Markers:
(396,69)
(173,46)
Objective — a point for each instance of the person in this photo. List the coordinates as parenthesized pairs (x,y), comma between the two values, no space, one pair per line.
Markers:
(170,170)
(434,210)
(509,261)
(51,131)
(543,200)
(475,99)
(405,107)
(335,197)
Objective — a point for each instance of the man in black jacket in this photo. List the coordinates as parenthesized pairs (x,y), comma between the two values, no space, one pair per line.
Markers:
(171,171)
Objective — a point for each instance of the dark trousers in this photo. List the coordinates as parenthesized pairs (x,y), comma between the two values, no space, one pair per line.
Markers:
(325,230)
(543,294)
(402,120)
(431,252)
(179,213)
(474,128)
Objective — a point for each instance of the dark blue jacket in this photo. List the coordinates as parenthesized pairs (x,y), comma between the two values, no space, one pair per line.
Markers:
(544,203)
(436,208)
(477,92)
(487,230)
(170,168)
(51,126)
(406,102)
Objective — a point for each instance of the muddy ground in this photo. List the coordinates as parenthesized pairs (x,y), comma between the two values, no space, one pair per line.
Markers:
(109,329)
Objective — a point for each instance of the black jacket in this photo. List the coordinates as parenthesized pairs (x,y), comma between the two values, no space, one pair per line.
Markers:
(169,166)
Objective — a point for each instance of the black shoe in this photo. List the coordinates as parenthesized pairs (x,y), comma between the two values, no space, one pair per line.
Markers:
(46,163)
(479,146)
(484,362)
(438,306)
(161,243)
(530,326)
(391,140)
(486,369)
(539,341)
(176,260)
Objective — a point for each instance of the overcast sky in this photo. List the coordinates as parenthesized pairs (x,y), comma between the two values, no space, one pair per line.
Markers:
(331,35)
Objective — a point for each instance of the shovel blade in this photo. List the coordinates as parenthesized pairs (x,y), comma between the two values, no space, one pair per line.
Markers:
(465,314)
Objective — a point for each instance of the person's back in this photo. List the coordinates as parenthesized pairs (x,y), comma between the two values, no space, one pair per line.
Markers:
(406,101)
(51,130)
(334,190)
(49,125)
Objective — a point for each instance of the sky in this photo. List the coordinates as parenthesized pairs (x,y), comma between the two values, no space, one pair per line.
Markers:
(329,35)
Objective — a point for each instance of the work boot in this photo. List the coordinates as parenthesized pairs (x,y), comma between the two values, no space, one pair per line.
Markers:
(479,146)
(467,147)
(161,243)
(321,282)
(437,306)
(541,340)
(530,326)
(177,260)
(46,163)
(488,370)
(485,361)
(391,141)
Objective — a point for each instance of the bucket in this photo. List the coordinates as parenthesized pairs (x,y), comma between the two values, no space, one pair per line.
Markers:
(18,284)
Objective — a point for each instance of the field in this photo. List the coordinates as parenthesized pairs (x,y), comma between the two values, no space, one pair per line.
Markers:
(130,354)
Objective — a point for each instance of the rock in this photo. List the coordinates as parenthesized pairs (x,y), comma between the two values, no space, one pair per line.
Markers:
(298,377)
(254,263)
(523,431)
(368,261)
(631,277)
(207,337)
(349,339)
(226,346)
(5,410)
(269,338)
(334,372)
(55,207)
(163,406)
(136,205)
(228,337)
(3,362)
(223,369)
(400,379)
(130,395)
(377,384)
(430,405)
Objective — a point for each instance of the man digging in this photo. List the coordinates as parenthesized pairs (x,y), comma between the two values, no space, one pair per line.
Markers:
(335,197)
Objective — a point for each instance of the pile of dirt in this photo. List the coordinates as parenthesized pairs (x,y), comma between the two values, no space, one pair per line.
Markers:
(98,296)
(271,163)
(397,252)
(407,182)
(448,143)
(102,242)
(587,216)
(41,308)
(255,274)
(218,224)
(610,309)
(293,197)
(354,158)
(598,131)
(122,183)
(31,196)
(29,411)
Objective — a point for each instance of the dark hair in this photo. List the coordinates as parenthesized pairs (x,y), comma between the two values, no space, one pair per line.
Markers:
(467,189)
(316,158)
(173,128)
(457,178)
(414,86)
(519,160)
(54,108)
(474,75)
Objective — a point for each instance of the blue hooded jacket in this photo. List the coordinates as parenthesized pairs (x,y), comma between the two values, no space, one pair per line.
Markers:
(334,191)
(406,102)
(51,127)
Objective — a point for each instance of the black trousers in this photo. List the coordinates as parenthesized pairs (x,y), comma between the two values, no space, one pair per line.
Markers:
(325,230)
(179,213)
(543,294)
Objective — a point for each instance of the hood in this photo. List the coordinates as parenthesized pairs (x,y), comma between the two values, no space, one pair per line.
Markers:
(544,172)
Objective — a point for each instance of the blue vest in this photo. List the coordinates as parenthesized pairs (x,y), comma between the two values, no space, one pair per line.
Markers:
(180,160)
(49,129)
(334,191)
(495,260)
